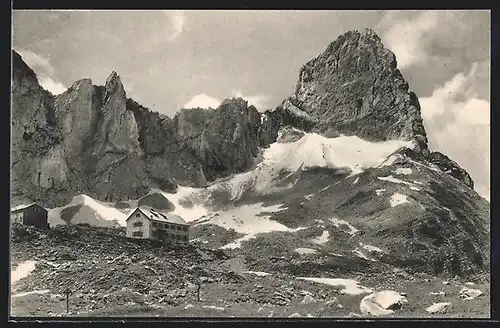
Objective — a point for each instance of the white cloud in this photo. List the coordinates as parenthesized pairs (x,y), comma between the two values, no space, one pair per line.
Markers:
(44,71)
(407,38)
(176,24)
(202,101)
(457,121)
(261,102)
(52,86)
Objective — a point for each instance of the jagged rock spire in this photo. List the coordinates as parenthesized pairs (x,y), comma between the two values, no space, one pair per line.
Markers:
(355,88)
(114,85)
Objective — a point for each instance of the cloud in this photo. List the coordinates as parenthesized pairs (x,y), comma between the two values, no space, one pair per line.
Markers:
(44,71)
(408,38)
(52,86)
(202,101)
(261,102)
(457,121)
(448,39)
(176,23)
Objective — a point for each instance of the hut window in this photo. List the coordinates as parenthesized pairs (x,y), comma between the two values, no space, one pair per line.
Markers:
(137,215)
(137,233)
(138,224)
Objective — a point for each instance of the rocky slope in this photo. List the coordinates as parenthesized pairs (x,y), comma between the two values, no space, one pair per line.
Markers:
(337,182)
(109,275)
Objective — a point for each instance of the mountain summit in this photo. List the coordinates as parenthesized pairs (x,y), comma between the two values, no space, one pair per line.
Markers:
(355,88)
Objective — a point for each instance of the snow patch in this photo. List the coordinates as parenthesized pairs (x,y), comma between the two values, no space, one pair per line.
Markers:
(102,211)
(351,287)
(371,248)
(303,251)
(314,150)
(218,308)
(258,273)
(181,199)
(335,254)
(437,293)
(35,292)
(323,239)
(338,223)
(308,197)
(199,240)
(22,271)
(392,179)
(379,191)
(247,220)
(403,171)
(360,254)
(398,199)
(356,181)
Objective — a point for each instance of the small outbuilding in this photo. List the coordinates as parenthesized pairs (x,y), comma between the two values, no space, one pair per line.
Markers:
(148,223)
(30,215)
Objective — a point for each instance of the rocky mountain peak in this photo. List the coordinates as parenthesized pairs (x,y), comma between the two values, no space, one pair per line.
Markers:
(370,33)
(355,88)
(235,102)
(114,85)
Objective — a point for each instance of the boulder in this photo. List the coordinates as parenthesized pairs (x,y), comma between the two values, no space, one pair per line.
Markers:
(438,307)
(469,293)
(382,303)
(308,299)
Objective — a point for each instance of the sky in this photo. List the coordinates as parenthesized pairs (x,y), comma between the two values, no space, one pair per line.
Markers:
(168,60)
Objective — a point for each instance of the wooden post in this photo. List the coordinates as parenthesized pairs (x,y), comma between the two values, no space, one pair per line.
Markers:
(67,292)
(198,290)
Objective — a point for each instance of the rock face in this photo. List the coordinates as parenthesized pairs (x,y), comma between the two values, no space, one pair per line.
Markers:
(94,140)
(355,88)
(225,139)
